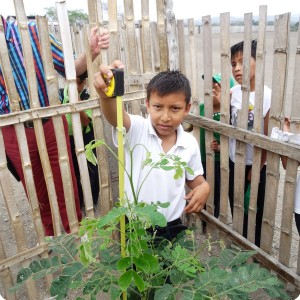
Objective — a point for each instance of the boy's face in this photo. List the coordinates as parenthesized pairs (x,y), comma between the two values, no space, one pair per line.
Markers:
(167,113)
(237,67)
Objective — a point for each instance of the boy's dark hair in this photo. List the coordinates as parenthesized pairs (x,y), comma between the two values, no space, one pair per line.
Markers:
(239,47)
(83,76)
(168,82)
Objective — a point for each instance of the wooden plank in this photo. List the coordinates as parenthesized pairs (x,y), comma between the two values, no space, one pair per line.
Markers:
(76,124)
(280,65)
(207,57)
(291,170)
(181,45)
(162,38)
(257,126)
(155,45)
(225,115)
(242,120)
(172,40)
(146,39)
(52,90)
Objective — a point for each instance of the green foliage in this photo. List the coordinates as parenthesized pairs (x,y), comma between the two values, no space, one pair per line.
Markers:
(151,267)
(76,17)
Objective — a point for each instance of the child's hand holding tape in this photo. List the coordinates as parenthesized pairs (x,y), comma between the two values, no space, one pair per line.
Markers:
(110,79)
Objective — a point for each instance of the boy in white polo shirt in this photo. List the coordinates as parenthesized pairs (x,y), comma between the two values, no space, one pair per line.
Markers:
(168,102)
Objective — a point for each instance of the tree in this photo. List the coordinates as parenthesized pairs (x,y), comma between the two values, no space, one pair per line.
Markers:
(76,17)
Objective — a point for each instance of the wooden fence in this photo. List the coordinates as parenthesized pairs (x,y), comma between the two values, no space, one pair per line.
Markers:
(146,49)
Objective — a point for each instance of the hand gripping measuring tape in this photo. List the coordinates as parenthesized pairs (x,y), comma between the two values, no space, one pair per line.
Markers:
(116,84)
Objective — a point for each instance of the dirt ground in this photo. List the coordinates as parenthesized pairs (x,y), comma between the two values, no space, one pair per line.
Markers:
(6,234)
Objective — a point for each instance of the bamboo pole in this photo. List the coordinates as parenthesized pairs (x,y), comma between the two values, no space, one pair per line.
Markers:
(207,55)
(132,51)
(279,79)
(257,126)
(162,39)
(172,41)
(239,167)
(224,116)
(6,276)
(146,38)
(155,45)
(101,126)
(76,124)
(291,171)
(181,45)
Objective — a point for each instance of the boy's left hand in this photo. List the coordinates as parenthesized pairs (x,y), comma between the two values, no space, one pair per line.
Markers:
(197,198)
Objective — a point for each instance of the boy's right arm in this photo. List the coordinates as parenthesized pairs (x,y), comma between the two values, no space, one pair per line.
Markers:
(107,104)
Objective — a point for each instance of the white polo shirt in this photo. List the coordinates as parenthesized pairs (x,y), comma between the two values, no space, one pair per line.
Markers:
(236,106)
(159,185)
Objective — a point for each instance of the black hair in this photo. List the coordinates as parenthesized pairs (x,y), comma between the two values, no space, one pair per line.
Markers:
(83,76)
(239,47)
(168,82)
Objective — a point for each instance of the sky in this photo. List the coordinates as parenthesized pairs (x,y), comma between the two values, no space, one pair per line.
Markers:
(183,8)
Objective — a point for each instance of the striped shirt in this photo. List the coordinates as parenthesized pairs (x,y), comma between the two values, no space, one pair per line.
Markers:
(13,41)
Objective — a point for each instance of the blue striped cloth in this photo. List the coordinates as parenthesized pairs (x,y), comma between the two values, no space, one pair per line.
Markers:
(14,47)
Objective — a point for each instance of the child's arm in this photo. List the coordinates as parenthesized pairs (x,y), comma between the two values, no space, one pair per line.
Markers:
(107,104)
(198,195)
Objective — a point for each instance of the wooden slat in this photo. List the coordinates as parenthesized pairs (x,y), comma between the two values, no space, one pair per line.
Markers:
(161,31)
(240,151)
(257,127)
(291,170)
(76,124)
(155,45)
(277,101)
(224,114)
(181,45)
(146,39)
(172,40)
(208,101)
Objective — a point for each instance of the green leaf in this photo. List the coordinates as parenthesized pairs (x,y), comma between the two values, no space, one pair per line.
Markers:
(35,266)
(167,168)
(124,263)
(163,162)
(177,277)
(231,258)
(115,293)
(163,204)
(60,286)
(39,275)
(125,280)
(139,282)
(165,292)
(23,275)
(45,263)
(73,269)
(76,285)
(141,264)
(157,218)
(189,170)
(113,216)
(152,261)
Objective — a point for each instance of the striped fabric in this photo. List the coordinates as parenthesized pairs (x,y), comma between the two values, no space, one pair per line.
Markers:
(14,47)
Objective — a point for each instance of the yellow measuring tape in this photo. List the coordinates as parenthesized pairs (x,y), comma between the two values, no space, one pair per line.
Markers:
(116,89)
